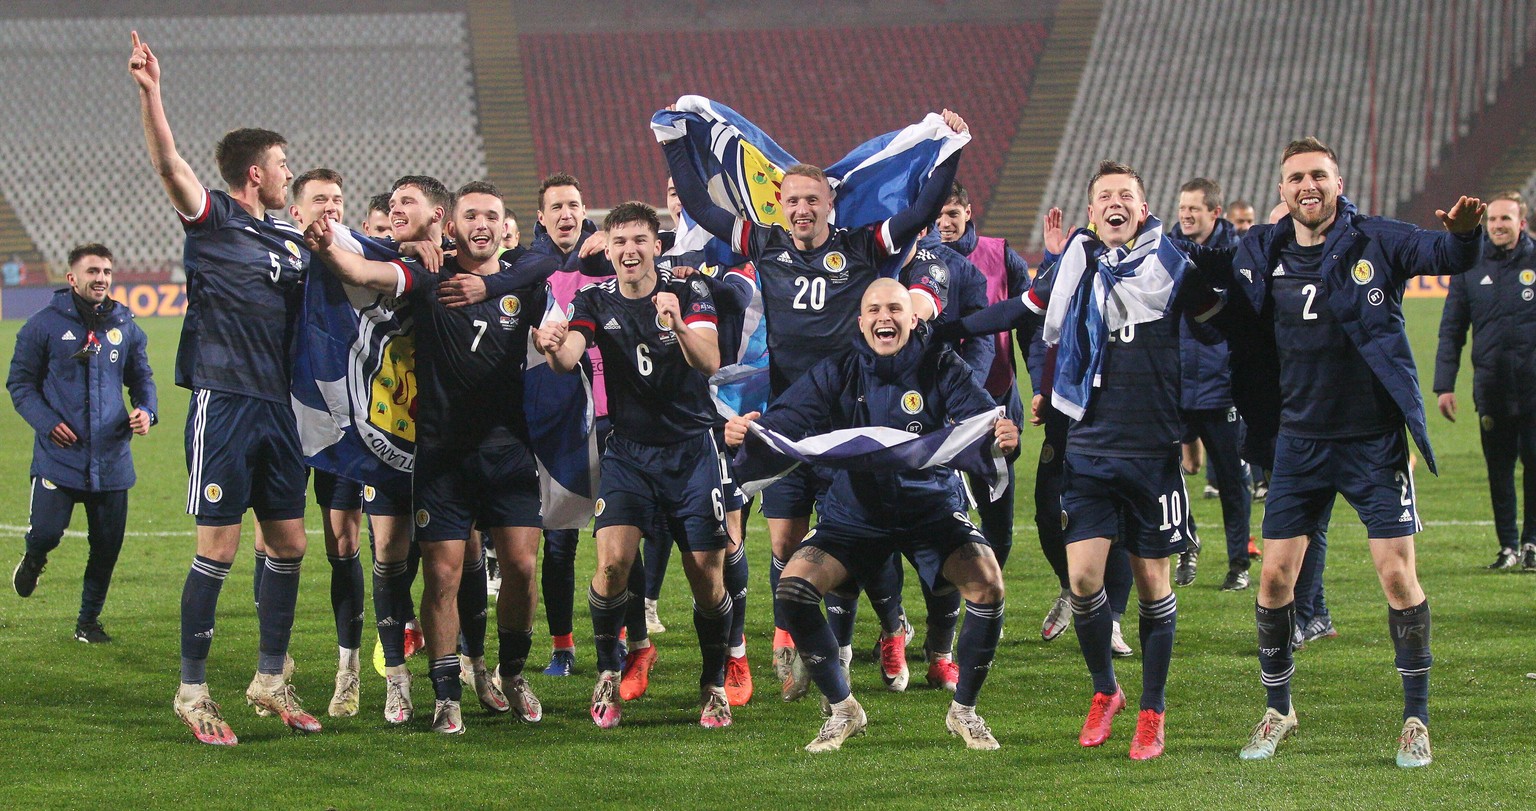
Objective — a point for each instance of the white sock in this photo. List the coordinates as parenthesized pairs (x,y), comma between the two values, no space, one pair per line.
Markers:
(350,660)
(737,651)
(641,645)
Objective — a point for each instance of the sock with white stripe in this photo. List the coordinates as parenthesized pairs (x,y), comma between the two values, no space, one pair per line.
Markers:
(347,596)
(1090,617)
(775,569)
(390,612)
(444,673)
(199,604)
(1276,660)
(1410,639)
(736,586)
(474,603)
(801,607)
(1159,619)
(607,619)
(274,615)
(713,625)
(977,648)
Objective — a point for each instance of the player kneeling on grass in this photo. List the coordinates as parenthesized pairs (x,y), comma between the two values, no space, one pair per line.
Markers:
(892,378)
(657,339)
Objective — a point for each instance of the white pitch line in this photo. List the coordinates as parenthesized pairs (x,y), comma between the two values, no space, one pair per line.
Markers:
(75,533)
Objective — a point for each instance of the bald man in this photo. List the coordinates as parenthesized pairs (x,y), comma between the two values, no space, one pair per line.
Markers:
(890,377)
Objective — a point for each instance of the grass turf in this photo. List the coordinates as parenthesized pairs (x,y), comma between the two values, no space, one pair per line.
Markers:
(91,726)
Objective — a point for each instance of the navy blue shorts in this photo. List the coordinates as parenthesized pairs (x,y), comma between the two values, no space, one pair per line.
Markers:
(1372,474)
(457,489)
(795,495)
(243,453)
(734,498)
(865,550)
(335,493)
(387,500)
(1139,501)
(677,485)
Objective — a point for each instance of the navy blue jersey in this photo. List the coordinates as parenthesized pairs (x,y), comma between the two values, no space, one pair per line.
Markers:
(470,360)
(1327,390)
(654,396)
(244,290)
(810,298)
(1135,412)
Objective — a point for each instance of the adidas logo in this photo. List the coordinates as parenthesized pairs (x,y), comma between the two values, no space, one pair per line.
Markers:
(785,257)
(1279,270)
(69,335)
(208,634)
(1406,516)
(386,622)
(1486,280)
(613,323)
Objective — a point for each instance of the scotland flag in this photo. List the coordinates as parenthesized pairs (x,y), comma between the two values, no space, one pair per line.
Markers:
(967,446)
(743,169)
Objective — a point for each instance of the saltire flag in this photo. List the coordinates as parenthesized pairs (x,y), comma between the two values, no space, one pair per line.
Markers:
(354,374)
(743,168)
(354,394)
(968,446)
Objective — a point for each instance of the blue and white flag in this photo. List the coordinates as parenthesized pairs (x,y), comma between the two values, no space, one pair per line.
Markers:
(354,394)
(968,446)
(354,375)
(743,168)
(1132,284)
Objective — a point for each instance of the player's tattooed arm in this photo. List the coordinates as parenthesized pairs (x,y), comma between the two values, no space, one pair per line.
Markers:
(181,183)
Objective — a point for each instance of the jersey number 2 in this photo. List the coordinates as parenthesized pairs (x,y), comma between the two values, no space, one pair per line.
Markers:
(1310,291)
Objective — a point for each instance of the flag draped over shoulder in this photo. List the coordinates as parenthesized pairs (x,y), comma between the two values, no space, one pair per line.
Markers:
(354,394)
(1132,284)
(968,446)
(354,378)
(743,168)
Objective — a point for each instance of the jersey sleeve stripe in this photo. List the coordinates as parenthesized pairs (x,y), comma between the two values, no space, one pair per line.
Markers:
(701,318)
(1033,302)
(1210,310)
(582,323)
(883,239)
(917,289)
(202,210)
(402,278)
(743,236)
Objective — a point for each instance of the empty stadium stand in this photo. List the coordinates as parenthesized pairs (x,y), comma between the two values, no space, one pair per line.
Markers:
(1180,90)
(372,96)
(819,92)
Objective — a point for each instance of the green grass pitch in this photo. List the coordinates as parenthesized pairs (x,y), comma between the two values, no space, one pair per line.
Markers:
(92,726)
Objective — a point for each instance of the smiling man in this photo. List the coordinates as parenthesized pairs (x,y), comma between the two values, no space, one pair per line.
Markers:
(658,344)
(811,275)
(1322,291)
(72,360)
(890,377)
(1497,299)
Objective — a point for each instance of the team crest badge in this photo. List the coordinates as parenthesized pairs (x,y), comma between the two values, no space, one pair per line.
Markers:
(911,402)
(808,536)
(1487,423)
(1528,277)
(663,323)
(1363,272)
(292,247)
(835,262)
(114,336)
(510,305)
(1047,453)
(597,509)
(213,493)
(423,518)
(1063,520)
(369,493)
(709,270)
(48,485)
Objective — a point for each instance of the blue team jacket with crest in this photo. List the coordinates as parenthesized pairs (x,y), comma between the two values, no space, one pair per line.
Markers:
(1366,263)
(920,389)
(49,385)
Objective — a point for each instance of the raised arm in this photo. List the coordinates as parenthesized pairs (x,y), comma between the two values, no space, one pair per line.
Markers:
(1454,250)
(563,346)
(353,268)
(181,183)
(696,335)
(695,197)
